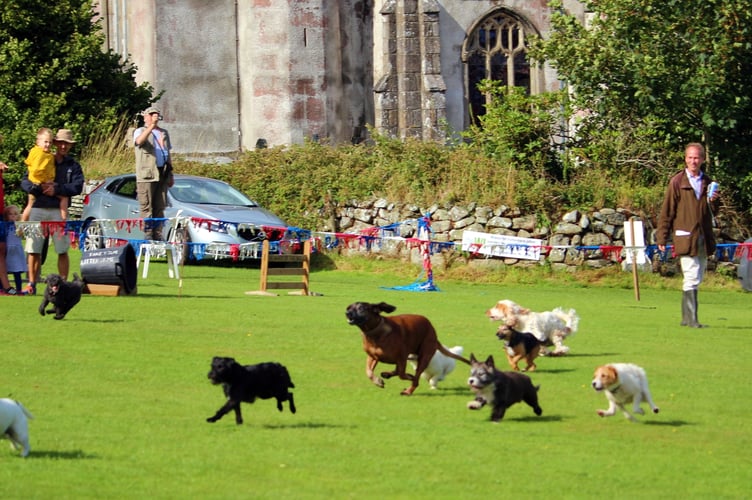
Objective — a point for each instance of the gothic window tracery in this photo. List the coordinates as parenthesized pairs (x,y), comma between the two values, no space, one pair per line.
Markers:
(496,49)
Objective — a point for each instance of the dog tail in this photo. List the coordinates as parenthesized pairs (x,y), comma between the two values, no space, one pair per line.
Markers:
(446,352)
(26,412)
(570,318)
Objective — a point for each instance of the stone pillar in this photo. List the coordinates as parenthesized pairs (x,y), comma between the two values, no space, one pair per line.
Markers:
(410,91)
(385,106)
(434,87)
(408,69)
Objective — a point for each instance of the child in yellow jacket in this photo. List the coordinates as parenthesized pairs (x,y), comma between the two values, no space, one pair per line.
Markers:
(41,165)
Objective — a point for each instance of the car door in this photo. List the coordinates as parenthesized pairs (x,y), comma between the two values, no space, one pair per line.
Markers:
(121,204)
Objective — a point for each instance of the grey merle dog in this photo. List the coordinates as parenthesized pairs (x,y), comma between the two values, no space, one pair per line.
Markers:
(499,389)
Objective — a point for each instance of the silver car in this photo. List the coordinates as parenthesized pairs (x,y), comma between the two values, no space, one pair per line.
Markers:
(213,213)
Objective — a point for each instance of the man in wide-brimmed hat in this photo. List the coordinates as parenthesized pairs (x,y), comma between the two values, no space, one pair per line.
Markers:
(64,135)
(69,181)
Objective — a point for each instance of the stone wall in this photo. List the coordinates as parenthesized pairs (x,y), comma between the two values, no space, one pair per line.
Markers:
(602,228)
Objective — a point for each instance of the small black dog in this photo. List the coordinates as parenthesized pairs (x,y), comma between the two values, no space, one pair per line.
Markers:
(500,389)
(518,346)
(63,295)
(248,382)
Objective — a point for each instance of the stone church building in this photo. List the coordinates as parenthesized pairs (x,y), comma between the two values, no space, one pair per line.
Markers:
(235,72)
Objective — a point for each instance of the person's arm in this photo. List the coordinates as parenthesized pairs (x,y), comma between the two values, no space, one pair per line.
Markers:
(37,162)
(30,187)
(168,148)
(666,217)
(141,138)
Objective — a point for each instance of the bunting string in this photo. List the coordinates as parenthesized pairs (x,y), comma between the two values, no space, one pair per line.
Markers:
(372,239)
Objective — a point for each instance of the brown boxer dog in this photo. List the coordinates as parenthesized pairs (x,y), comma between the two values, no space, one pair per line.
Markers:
(391,339)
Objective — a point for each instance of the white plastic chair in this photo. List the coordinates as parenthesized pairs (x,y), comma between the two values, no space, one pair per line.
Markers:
(159,249)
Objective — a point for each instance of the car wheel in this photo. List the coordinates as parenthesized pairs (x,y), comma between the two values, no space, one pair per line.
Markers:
(93,235)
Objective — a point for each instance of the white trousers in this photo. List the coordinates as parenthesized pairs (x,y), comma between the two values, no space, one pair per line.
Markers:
(693,268)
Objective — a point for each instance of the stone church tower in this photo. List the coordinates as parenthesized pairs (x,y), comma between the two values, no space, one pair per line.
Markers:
(234,72)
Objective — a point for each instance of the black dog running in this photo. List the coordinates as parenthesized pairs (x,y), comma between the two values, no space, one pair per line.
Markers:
(245,383)
(63,295)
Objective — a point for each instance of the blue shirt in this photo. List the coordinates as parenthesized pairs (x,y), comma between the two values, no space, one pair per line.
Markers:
(162,154)
(695,182)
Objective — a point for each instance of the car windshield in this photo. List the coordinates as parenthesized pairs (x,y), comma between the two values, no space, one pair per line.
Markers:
(208,192)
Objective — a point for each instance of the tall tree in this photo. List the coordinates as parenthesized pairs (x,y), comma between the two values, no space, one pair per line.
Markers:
(55,73)
(678,69)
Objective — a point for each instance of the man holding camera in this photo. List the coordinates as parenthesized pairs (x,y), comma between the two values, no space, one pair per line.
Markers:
(153,170)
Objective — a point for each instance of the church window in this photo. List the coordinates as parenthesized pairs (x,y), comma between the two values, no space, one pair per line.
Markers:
(496,49)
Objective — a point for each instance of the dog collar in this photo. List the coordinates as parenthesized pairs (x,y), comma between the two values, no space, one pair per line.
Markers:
(614,388)
(380,328)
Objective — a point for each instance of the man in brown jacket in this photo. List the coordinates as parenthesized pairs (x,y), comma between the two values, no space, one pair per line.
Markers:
(687,220)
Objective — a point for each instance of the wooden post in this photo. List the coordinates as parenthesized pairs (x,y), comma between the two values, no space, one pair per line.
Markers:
(264,265)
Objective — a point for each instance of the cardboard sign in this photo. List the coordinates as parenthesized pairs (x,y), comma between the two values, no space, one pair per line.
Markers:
(634,241)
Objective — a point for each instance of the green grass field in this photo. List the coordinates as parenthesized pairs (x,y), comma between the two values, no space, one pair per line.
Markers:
(120,395)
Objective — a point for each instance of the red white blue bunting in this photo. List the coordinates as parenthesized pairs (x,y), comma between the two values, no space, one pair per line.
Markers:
(370,239)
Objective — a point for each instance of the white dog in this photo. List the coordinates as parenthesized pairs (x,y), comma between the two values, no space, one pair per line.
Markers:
(439,367)
(549,327)
(14,424)
(624,383)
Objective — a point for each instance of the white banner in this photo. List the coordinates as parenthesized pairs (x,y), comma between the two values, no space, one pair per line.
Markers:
(499,245)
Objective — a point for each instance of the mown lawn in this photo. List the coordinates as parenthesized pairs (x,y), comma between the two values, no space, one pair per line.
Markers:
(120,396)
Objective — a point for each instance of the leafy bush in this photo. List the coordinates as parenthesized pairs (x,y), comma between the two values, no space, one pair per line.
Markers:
(304,183)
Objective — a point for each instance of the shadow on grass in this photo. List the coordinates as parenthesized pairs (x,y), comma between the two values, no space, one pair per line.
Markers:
(548,370)
(667,423)
(532,418)
(591,354)
(307,425)
(542,418)
(62,455)
(99,320)
(441,391)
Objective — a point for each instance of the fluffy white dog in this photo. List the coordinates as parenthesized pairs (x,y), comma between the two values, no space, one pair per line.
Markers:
(14,424)
(549,327)
(623,383)
(439,367)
